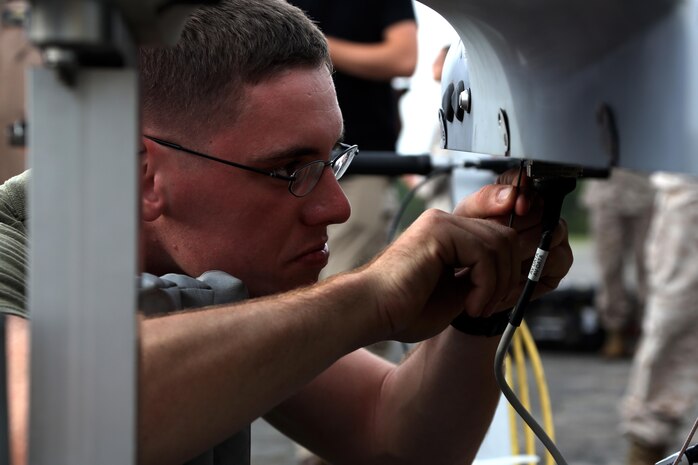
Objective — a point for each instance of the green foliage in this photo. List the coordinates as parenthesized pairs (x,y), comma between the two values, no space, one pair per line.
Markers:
(576,214)
(414,208)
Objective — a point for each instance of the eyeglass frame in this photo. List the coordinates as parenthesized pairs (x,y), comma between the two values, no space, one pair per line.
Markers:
(353,150)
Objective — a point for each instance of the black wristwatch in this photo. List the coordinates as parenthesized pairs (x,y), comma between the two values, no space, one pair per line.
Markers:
(489,326)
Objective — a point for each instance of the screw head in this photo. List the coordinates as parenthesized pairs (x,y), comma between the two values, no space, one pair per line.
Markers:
(464,100)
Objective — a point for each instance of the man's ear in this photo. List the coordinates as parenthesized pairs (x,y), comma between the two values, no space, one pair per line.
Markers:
(152,195)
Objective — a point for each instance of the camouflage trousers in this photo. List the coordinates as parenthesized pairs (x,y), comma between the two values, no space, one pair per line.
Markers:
(619,240)
(663,385)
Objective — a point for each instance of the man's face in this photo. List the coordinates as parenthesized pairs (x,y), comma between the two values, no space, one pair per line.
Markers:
(223,218)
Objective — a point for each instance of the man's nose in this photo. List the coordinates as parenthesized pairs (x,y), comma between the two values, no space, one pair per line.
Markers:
(327,202)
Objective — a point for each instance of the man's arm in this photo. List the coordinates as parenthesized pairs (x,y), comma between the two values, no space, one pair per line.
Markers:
(17,353)
(394,56)
(435,407)
(206,374)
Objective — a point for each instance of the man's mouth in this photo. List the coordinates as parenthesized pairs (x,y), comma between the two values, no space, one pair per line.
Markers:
(315,256)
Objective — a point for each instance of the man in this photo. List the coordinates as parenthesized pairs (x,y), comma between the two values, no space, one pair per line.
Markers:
(249,83)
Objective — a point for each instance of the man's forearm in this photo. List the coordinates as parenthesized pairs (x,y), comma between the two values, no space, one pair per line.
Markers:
(206,374)
(17,350)
(438,404)
(435,407)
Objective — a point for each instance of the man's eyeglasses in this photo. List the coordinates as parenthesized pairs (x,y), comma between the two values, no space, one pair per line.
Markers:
(301,181)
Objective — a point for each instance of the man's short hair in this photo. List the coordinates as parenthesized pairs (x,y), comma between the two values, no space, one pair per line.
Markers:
(223,48)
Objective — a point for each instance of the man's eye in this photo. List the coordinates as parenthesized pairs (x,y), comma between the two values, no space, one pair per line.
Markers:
(288,169)
(337,149)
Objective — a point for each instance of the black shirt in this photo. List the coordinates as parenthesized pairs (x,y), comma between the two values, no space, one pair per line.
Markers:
(369,107)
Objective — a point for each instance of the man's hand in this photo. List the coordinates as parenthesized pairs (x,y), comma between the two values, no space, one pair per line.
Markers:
(469,261)
(497,202)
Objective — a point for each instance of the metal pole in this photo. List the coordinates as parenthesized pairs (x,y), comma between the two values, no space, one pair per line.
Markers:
(82,262)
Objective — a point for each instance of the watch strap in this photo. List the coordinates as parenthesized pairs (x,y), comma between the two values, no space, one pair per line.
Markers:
(490,326)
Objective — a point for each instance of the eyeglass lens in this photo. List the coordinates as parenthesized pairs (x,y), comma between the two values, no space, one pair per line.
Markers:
(342,163)
(307,177)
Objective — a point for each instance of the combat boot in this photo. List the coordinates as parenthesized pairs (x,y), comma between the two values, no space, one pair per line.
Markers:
(614,345)
(643,454)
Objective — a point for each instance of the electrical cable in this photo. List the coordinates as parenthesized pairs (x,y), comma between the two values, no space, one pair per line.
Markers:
(514,401)
(518,350)
(686,442)
(553,191)
(524,394)
(513,429)
(388,164)
(539,376)
(395,224)
(527,349)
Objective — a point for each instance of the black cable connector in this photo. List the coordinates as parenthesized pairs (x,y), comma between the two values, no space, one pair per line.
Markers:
(537,168)
(553,191)
(496,165)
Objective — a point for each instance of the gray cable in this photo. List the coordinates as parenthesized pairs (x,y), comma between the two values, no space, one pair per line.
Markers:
(502,350)
(686,442)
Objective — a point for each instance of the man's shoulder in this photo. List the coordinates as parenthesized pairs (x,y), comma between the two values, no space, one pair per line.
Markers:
(13,244)
(13,204)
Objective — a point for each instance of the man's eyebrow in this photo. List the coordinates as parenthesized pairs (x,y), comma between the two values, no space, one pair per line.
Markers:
(292,153)
(285,155)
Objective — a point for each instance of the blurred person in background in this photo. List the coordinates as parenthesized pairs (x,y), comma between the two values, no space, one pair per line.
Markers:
(620,209)
(662,388)
(16,54)
(371,42)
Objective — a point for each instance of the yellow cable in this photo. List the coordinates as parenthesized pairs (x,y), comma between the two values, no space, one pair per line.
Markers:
(541,384)
(524,393)
(523,345)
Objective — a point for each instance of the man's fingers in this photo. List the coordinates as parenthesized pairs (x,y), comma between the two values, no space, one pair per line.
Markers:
(557,264)
(512,177)
(490,201)
(529,239)
(492,258)
(510,193)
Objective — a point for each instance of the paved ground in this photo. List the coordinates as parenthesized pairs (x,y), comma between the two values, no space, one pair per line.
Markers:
(585,391)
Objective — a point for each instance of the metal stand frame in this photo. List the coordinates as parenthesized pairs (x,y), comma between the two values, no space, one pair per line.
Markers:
(83,267)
